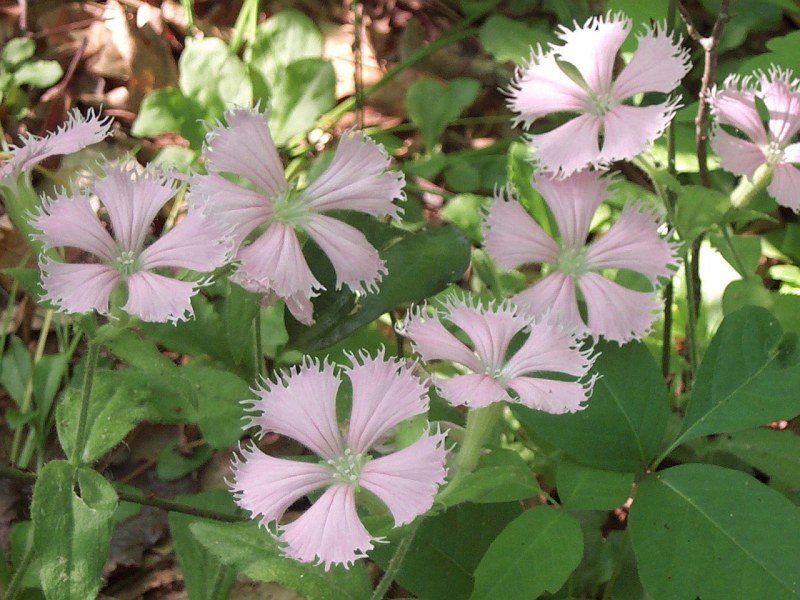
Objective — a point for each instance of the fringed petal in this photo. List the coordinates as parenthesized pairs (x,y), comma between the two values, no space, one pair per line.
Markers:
(573,201)
(782,99)
(617,313)
(736,155)
(785,186)
(78,288)
(406,481)
(195,243)
(551,396)
(568,148)
(433,342)
(737,108)
(555,297)
(474,390)
(630,130)
(549,348)
(658,65)
(158,299)
(71,221)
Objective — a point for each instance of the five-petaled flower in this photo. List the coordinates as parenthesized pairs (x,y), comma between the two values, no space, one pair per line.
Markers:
(356,179)
(735,105)
(302,405)
(513,238)
(544,87)
(131,199)
(496,374)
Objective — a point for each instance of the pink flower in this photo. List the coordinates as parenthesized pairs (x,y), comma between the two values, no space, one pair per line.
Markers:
(302,405)
(132,201)
(735,105)
(513,238)
(76,133)
(495,373)
(356,179)
(542,88)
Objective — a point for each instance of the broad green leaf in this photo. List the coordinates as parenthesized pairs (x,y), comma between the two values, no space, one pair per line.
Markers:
(749,376)
(16,369)
(418,267)
(534,554)
(168,110)
(220,412)
(501,476)
(18,50)
(774,452)
(623,424)
(714,533)
(39,73)
(252,551)
(743,253)
(782,53)
(214,77)
(432,105)
(239,312)
(204,576)
(447,549)
(586,488)
(71,533)
(512,40)
(285,37)
(305,90)
(698,209)
(466,211)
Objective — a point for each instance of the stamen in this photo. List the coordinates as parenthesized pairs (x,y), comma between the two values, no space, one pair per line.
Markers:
(126,263)
(572,261)
(347,467)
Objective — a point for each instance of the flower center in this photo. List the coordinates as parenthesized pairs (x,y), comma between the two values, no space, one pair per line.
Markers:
(602,103)
(127,263)
(572,261)
(289,208)
(347,467)
(773,152)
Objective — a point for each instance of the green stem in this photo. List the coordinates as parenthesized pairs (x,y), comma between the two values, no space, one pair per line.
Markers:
(246,22)
(396,562)
(739,265)
(82,429)
(666,338)
(480,424)
(691,312)
(747,189)
(260,369)
(14,586)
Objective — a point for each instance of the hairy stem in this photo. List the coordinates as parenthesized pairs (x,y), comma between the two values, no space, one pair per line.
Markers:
(396,562)
(82,430)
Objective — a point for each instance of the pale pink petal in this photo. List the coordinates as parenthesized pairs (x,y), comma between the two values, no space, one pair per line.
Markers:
(245,147)
(555,297)
(71,221)
(268,486)
(737,108)
(474,390)
(433,342)
(300,307)
(593,48)
(195,243)
(548,395)
(630,130)
(407,480)
(543,88)
(158,299)
(633,243)
(782,99)
(573,201)
(490,329)
(385,393)
(78,288)
(238,207)
(658,65)
(132,201)
(736,155)
(791,154)
(570,147)
(549,348)
(512,238)
(357,179)
(617,313)
(274,261)
(330,531)
(354,259)
(785,186)
(77,132)
(302,406)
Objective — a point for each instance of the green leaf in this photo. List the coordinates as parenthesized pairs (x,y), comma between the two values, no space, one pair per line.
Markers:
(48,376)
(39,73)
(252,551)
(71,533)
(623,424)
(174,465)
(520,171)
(220,412)
(305,90)
(774,452)
(204,576)
(709,532)
(512,40)
(168,110)
(418,266)
(534,554)
(18,50)
(465,211)
(447,548)
(214,77)
(16,369)
(285,37)
(749,376)
(238,313)
(432,105)
(698,209)
(501,476)
(586,488)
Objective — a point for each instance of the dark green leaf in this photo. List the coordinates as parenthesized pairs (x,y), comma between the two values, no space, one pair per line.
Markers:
(220,412)
(501,476)
(774,452)
(698,209)
(239,311)
(714,533)
(586,488)
(16,369)
(168,110)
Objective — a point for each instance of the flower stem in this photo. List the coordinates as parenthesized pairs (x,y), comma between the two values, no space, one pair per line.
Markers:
(396,562)
(480,424)
(692,311)
(82,430)
(747,189)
